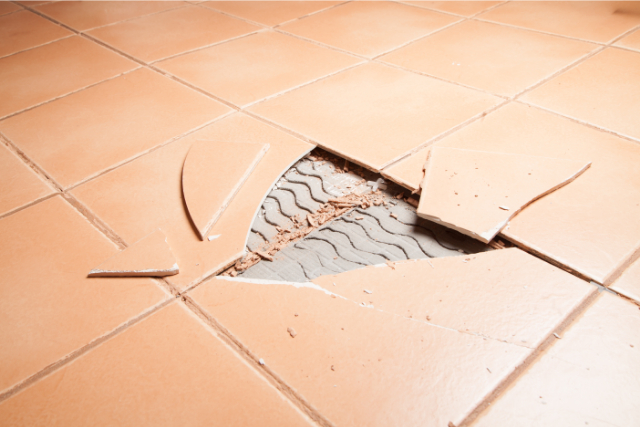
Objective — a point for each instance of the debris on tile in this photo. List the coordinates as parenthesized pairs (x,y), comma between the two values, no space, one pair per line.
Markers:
(261,361)
(367,291)
(213,173)
(482,181)
(150,256)
(378,183)
(556,335)
(292,332)
(213,237)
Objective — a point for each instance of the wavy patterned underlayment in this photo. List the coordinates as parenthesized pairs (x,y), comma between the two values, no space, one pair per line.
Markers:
(357,239)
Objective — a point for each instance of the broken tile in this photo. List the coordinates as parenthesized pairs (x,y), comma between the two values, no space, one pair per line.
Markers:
(506,294)
(83,134)
(166,370)
(369,28)
(474,53)
(631,41)
(24,30)
(588,377)
(151,256)
(8,7)
(349,113)
(464,8)
(71,64)
(403,371)
(478,192)
(83,15)
(278,63)
(146,194)
(604,91)
(19,184)
(213,173)
(599,21)
(49,307)
(269,12)
(165,34)
(629,282)
(409,172)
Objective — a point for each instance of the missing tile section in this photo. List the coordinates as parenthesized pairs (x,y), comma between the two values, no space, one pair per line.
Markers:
(368,228)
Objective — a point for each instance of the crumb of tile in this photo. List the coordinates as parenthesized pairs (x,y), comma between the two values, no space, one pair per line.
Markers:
(504,208)
(295,314)
(556,335)
(367,291)
(213,237)
(333,369)
(292,332)
(261,361)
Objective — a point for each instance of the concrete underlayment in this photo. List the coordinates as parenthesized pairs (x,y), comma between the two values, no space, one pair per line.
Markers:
(354,240)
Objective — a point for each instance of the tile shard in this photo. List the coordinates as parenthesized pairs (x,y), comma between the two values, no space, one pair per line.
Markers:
(151,256)
(465,189)
(212,175)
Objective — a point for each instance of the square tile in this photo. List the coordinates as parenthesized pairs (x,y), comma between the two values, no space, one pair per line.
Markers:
(369,28)
(169,33)
(277,63)
(166,370)
(49,307)
(632,41)
(71,64)
(8,7)
(604,91)
(403,371)
(19,184)
(83,15)
(588,377)
(81,135)
(629,282)
(474,53)
(374,114)
(269,13)
(24,30)
(464,8)
(146,194)
(598,21)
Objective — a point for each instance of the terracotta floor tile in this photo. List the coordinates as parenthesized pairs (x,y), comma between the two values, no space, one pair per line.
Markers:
(403,371)
(374,114)
(19,184)
(49,307)
(269,12)
(588,377)
(278,62)
(8,7)
(631,41)
(507,295)
(72,63)
(167,370)
(604,91)
(369,28)
(165,34)
(24,30)
(629,282)
(475,53)
(599,21)
(82,15)
(82,134)
(409,171)
(589,225)
(146,193)
(465,8)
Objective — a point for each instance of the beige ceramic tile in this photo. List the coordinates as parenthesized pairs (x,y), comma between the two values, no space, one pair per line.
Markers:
(24,30)
(82,134)
(476,53)
(82,15)
(8,7)
(409,172)
(212,175)
(169,33)
(373,114)
(356,365)
(48,306)
(604,91)
(478,192)
(599,21)
(507,295)
(629,282)
(465,8)
(19,184)
(589,376)
(269,12)
(369,28)
(590,225)
(146,193)
(278,62)
(71,64)
(167,370)
(632,41)
(151,256)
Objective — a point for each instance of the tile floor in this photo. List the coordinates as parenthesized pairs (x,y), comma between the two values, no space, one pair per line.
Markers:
(102,101)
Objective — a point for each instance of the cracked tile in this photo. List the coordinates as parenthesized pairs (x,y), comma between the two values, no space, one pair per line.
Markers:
(24,30)
(464,8)
(269,12)
(628,284)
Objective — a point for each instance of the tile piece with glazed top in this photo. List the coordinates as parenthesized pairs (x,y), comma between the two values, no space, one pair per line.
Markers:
(212,175)
(150,256)
(478,192)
